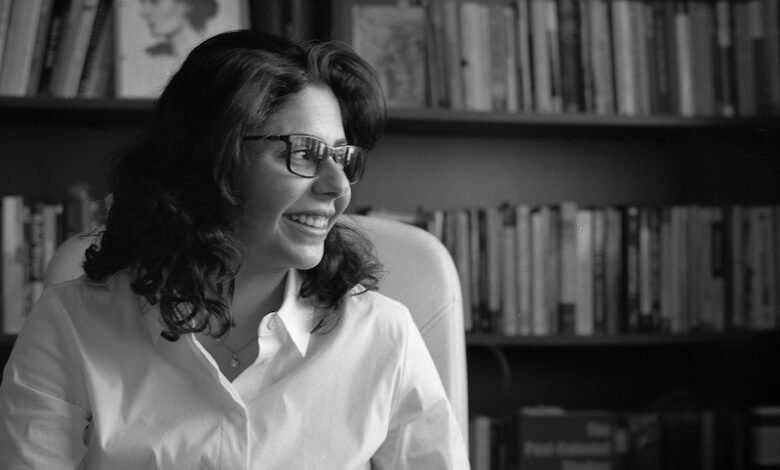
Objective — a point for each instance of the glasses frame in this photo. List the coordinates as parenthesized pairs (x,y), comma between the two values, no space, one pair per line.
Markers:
(332,153)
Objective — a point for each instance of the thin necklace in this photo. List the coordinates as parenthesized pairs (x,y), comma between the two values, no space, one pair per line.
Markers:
(234,360)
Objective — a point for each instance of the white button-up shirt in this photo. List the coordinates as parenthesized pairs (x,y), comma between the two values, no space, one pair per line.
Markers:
(91,384)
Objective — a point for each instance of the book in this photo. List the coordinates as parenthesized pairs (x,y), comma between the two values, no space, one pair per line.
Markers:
(703,41)
(602,65)
(644,441)
(554,55)
(614,273)
(463,262)
(452,52)
(15,217)
(540,54)
(571,56)
(568,249)
(540,232)
(684,59)
(631,268)
(764,425)
(586,58)
(493,243)
(599,270)
(761,274)
(585,322)
(5,17)
(524,252)
(19,47)
(725,86)
(39,47)
(508,257)
(745,66)
(772,56)
(69,69)
(625,86)
(37,265)
(475,61)
(525,81)
(96,74)
(72,36)
(556,439)
(53,44)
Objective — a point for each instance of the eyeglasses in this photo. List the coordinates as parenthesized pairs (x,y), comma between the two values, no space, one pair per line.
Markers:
(305,153)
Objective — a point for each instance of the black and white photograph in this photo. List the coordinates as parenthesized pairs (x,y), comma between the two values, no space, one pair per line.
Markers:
(154,36)
(389,234)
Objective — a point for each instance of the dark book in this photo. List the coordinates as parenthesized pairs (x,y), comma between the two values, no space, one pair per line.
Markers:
(554,439)
(631,268)
(571,55)
(59,16)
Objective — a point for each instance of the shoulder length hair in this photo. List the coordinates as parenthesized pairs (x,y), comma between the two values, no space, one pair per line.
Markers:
(175,197)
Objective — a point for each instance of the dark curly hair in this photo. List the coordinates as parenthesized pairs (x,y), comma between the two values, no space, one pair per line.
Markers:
(175,197)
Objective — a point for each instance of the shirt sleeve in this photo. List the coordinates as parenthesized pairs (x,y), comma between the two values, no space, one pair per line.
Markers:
(424,433)
(43,403)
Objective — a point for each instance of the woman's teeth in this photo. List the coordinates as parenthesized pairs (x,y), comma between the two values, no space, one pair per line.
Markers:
(310,220)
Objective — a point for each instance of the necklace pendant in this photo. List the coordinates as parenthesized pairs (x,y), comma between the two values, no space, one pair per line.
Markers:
(234,361)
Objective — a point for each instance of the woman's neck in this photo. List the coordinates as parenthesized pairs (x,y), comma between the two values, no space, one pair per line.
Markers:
(255,294)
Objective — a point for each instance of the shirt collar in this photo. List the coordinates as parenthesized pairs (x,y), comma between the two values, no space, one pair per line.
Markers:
(295,312)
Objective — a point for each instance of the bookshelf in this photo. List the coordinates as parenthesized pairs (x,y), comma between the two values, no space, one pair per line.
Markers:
(438,158)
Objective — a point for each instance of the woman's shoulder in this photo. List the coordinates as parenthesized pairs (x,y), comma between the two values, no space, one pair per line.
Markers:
(82,286)
(375,310)
(87,299)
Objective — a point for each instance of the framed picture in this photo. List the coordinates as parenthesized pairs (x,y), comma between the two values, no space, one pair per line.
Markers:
(392,37)
(154,37)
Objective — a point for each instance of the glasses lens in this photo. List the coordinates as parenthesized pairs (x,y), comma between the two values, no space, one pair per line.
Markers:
(354,162)
(305,155)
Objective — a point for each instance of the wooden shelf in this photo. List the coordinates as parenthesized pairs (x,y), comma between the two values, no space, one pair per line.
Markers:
(481,340)
(37,110)
(621,340)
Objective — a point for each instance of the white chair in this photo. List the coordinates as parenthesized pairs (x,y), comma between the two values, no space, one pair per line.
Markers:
(419,272)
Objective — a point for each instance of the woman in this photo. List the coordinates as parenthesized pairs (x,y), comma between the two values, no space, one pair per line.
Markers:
(227,319)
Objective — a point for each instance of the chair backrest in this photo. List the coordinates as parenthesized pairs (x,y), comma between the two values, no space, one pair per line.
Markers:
(419,272)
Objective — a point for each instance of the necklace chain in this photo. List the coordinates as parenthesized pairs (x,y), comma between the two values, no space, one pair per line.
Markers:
(234,360)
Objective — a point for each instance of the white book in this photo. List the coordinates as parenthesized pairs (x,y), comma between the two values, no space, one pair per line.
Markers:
(523,265)
(584,323)
(509,280)
(14,265)
(19,47)
(540,221)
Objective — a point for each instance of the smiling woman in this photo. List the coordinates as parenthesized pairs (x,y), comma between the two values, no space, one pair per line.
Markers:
(227,318)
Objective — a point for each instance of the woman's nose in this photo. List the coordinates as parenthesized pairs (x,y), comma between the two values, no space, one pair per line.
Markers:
(331,179)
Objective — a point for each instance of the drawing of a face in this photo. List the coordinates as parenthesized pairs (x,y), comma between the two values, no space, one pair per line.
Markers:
(165,17)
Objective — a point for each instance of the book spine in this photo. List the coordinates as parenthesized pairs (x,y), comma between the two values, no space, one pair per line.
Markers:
(508,259)
(571,56)
(568,255)
(524,268)
(540,54)
(73,66)
(39,47)
(585,324)
(631,268)
(57,24)
(5,19)
(94,49)
(14,268)
(20,40)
